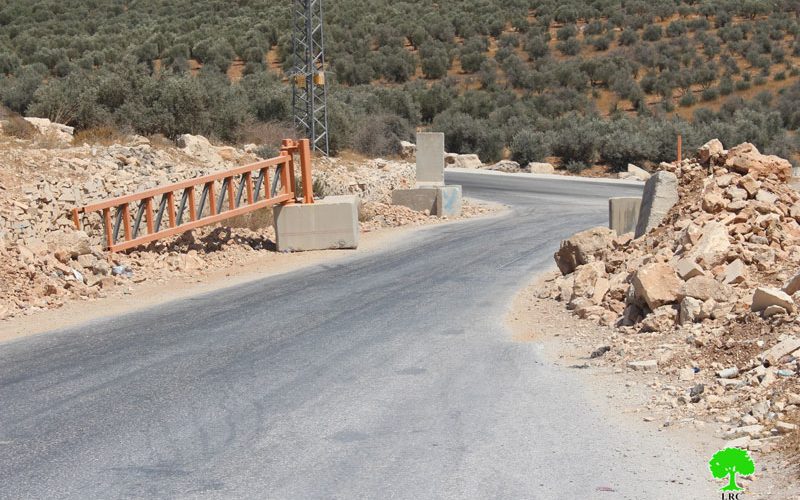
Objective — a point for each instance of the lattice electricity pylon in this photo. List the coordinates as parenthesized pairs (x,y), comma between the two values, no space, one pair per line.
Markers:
(309,92)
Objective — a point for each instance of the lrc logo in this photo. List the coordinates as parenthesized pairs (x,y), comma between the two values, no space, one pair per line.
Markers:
(729,463)
(733,496)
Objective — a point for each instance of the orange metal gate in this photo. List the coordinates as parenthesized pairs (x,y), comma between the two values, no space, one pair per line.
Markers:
(224,194)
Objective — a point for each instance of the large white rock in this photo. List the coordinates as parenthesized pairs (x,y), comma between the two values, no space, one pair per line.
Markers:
(62,133)
(709,150)
(713,245)
(463,161)
(540,168)
(639,173)
(660,195)
(199,147)
(765,297)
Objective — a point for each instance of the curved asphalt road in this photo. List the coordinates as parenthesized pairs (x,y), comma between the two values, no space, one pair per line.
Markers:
(390,376)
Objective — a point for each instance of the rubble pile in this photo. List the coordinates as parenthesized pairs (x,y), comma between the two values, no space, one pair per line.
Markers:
(708,294)
(45,263)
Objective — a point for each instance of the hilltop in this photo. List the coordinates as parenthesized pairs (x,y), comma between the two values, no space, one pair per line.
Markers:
(585,82)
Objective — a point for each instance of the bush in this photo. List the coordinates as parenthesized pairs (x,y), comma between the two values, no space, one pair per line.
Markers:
(710,94)
(435,60)
(529,146)
(575,167)
(465,134)
(687,99)
(570,47)
(628,37)
(652,33)
(381,135)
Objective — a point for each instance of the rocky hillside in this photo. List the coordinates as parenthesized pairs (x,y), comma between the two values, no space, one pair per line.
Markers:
(708,296)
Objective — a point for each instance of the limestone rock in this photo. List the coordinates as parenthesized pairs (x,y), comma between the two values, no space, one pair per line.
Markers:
(408,150)
(507,166)
(704,288)
(463,161)
(540,168)
(713,245)
(656,285)
(779,350)
(691,310)
(735,272)
(638,173)
(649,365)
(687,269)
(199,147)
(746,159)
(583,248)
(62,133)
(765,297)
(793,285)
(711,149)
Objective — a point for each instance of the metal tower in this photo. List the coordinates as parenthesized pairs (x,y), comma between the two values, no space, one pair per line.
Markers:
(309,92)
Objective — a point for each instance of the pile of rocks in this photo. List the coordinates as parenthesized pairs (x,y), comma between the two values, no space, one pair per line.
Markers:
(45,263)
(714,270)
(472,161)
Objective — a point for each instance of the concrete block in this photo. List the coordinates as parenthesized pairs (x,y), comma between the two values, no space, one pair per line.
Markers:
(448,201)
(623,214)
(430,159)
(440,200)
(329,223)
(660,195)
(419,199)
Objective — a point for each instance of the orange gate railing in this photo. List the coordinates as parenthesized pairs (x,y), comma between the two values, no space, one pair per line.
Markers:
(221,196)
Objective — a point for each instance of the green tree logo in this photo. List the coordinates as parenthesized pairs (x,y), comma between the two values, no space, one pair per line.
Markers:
(729,462)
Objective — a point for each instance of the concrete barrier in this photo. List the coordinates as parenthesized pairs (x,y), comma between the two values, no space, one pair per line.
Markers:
(660,195)
(623,214)
(430,159)
(448,201)
(442,201)
(419,199)
(329,223)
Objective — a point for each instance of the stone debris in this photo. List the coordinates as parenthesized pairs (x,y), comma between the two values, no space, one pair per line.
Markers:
(707,294)
(45,263)
(638,172)
(462,161)
(62,134)
(541,168)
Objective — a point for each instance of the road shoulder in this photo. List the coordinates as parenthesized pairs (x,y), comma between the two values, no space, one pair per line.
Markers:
(632,399)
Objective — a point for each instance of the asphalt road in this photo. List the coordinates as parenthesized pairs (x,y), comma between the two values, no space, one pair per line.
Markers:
(390,376)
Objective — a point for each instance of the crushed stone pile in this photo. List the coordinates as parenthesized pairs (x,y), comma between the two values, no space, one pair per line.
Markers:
(709,294)
(45,263)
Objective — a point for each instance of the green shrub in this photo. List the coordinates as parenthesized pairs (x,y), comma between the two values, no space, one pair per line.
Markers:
(652,33)
(465,134)
(710,94)
(687,99)
(381,135)
(575,167)
(529,146)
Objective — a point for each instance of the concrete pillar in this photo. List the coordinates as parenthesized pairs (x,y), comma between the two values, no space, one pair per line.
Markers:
(329,223)
(430,159)
(623,214)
